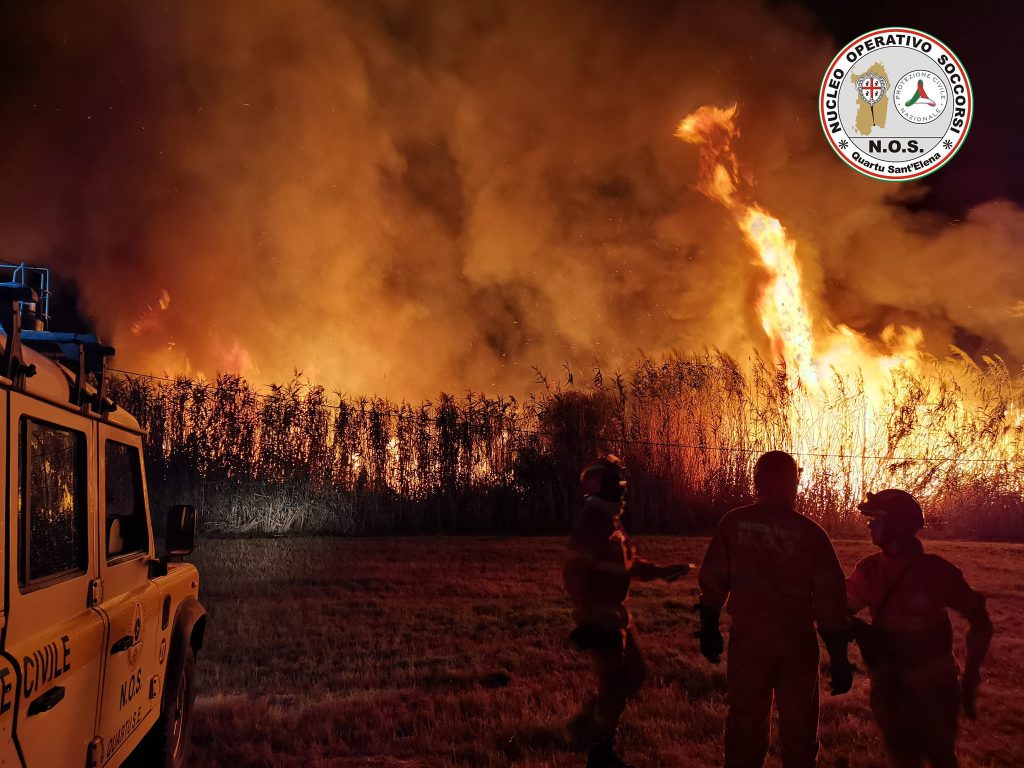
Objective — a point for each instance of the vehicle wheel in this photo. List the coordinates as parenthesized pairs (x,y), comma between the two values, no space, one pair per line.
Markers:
(169,742)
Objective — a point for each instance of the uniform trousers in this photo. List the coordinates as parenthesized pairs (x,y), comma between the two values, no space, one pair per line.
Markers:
(772,660)
(620,675)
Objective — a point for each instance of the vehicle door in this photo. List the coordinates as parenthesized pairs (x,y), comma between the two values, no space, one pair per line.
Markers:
(52,632)
(131,603)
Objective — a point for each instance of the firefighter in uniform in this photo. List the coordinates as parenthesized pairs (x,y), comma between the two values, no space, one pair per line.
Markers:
(600,565)
(778,574)
(908,647)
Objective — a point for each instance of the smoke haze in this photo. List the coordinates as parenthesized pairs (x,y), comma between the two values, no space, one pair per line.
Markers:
(399,198)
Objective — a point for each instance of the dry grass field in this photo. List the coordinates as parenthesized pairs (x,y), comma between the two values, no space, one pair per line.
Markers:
(449,652)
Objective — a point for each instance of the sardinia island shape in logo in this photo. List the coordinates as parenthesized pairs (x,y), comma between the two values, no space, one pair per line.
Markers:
(896,104)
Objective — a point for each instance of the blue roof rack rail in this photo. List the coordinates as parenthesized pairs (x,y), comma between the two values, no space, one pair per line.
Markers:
(28,290)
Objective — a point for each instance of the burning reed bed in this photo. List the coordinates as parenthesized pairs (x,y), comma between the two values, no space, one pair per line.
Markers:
(295,459)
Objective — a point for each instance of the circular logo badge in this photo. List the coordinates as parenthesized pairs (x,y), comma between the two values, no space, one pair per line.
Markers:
(896,104)
(920,96)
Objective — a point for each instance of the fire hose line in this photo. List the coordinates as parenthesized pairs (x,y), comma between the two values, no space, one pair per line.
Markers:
(648,443)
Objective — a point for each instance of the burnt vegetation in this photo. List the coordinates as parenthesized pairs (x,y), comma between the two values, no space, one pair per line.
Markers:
(297,459)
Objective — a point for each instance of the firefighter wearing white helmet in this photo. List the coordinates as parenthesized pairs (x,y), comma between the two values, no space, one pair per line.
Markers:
(908,647)
(600,565)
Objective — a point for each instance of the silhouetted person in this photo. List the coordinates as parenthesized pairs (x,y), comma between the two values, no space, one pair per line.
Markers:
(778,574)
(908,647)
(600,565)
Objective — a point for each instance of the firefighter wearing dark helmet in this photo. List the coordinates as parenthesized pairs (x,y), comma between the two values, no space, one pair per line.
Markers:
(778,574)
(600,565)
(908,647)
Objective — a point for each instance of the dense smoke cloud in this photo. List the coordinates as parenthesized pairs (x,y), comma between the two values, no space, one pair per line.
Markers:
(404,197)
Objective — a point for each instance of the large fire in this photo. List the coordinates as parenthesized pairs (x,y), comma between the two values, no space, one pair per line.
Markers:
(783,308)
(824,362)
(784,313)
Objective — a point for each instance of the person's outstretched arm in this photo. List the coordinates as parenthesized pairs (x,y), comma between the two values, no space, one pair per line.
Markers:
(644,570)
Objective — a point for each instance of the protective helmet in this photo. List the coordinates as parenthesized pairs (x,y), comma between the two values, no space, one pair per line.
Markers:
(604,477)
(776,470)
(895,505)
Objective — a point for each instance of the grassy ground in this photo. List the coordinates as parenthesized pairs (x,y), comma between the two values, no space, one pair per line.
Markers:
(448,652)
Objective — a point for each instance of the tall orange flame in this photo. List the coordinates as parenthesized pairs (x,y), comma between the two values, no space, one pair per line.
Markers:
(783,308)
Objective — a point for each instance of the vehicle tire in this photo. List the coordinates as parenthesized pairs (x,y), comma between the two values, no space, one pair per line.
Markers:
(168,743)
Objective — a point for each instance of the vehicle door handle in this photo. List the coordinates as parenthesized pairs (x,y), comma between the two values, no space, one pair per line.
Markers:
(47,701)
(121,645)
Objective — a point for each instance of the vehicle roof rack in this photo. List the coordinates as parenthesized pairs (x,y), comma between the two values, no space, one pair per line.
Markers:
(36,278)
(28,290)
(12,362)
(85,355)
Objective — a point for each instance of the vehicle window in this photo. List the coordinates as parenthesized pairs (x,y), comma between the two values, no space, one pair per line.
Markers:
(52,515)
(127,530)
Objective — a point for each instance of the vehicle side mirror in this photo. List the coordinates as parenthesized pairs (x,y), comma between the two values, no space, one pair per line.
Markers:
(181,530)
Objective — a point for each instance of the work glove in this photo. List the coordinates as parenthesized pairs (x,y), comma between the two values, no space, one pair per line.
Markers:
(710,634)
(969,683)
(840,670)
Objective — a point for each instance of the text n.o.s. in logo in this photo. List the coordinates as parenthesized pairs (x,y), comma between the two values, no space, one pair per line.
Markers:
(896,104)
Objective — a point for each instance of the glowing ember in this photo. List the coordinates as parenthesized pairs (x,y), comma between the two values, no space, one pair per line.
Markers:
(150,319)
